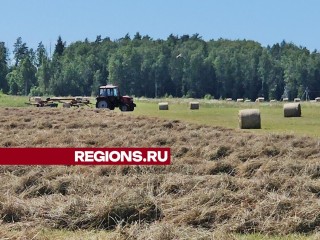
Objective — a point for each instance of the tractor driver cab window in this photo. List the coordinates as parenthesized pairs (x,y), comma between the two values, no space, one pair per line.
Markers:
(103,92)
(115,92)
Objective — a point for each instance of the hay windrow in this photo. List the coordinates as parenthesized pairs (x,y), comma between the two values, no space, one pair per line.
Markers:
(219,180)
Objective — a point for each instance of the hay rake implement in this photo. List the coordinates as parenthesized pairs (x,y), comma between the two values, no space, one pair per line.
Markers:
(66,101)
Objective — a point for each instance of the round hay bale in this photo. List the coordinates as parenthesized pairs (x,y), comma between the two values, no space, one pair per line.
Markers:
(317,99)
(229,99)
(194,105)
(240,100)
(297,100)
(260,99)
(163,106)
(292,110)
(66,105)
(285,99)
(249,119)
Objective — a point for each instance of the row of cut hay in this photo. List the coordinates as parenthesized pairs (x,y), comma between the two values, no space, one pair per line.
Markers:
(192,105)
(251,119)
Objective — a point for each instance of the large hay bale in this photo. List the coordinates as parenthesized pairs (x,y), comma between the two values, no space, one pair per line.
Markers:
(317,99)
(194,105)
(249,119)
(260,99)
(292,110)
(297,100)
(163,106)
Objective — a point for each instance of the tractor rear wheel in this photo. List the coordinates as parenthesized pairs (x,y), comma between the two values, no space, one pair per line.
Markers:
(102,104)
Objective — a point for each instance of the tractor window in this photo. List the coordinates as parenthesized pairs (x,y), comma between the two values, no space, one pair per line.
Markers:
(115,92)
(103,92)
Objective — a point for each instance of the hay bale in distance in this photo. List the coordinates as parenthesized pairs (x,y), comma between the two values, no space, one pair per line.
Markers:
(297,100)
(292,110)
(229,99)
(163,106)
(249,119)
(194,105)
(260,99)
(285,99)
(240,100)
(317,99)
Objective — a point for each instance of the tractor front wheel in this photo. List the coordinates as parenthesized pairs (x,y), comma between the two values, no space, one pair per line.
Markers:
(124,108)
(102,104)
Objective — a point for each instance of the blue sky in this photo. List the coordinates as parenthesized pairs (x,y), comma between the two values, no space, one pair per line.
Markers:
(264,21)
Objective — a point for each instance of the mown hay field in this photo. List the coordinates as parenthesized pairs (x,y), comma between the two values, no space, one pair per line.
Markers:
(223,183)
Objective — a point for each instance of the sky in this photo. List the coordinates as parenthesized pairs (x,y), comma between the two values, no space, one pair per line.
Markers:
(265,21)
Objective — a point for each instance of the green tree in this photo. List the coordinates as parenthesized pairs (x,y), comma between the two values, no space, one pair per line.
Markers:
(3,67)
(20,51)
(60,46)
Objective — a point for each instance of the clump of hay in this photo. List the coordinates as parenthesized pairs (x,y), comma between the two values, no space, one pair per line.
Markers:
(194,105)
(249,119)
(66,105)
(292,110)
(163,106)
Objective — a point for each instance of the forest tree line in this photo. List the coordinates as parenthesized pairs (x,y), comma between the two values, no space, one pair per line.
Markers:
(185,66)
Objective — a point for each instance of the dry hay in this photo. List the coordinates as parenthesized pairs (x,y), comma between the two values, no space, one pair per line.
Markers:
(297,100)
(66,105)
(292,110)
(163,106)
(194,105)
(240,100)
(220,180)
(249,119)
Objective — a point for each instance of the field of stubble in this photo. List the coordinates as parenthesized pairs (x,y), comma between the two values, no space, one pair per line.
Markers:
(222,183)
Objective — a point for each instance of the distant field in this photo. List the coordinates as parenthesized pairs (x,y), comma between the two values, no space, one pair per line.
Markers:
(12,101)
(217,113)
(225,114)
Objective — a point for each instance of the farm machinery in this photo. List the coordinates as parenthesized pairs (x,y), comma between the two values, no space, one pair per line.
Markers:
(109,97)
(53,102)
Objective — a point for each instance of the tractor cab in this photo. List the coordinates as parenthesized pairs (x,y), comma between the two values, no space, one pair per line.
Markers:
(109,97)
(108,92)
